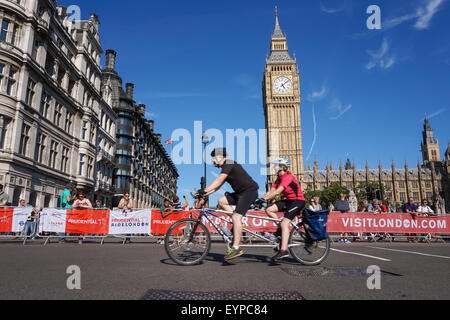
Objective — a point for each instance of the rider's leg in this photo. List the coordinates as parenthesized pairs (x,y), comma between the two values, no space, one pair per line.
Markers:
(224,205)
(285,233)
(272,211)
(237,229)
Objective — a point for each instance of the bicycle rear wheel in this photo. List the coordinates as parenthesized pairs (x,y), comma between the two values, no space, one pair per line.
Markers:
(305,252)
(187,242)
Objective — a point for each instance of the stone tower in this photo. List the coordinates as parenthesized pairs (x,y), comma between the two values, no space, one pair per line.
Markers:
(429,145)
(281,103)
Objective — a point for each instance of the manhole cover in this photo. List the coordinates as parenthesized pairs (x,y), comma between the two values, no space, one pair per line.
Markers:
(332,272)
(220,295)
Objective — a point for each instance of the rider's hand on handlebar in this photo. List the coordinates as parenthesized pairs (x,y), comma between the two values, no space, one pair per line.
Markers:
(260,203)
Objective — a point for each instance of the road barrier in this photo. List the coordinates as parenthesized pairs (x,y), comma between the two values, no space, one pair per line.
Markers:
(150,224)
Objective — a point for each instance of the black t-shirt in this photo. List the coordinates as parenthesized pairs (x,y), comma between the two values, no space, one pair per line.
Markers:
(238,178)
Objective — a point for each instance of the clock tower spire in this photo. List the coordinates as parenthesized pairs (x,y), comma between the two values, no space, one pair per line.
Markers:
(281,104)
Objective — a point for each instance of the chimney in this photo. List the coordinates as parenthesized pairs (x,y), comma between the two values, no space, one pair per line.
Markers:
(130,90)
(110,60)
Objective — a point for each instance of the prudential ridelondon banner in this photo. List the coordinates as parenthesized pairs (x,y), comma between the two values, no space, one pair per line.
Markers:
(130,221)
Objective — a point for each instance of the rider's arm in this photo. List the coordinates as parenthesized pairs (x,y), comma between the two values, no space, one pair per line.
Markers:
(273,193)
(216,184)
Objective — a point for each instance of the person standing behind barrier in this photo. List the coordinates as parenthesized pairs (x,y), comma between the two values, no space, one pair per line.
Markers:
(30,225)
(4,198)
(81,203)
(426,211)
(177,204)
(343,206)
(66,200)
(410,208)
(126,204)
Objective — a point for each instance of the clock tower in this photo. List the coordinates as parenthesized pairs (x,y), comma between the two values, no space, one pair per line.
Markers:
(281,103)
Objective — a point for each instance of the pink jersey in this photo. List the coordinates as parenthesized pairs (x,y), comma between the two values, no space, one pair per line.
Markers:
(292,190)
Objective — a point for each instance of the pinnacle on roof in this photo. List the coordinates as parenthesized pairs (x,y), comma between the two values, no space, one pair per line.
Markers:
(277,33)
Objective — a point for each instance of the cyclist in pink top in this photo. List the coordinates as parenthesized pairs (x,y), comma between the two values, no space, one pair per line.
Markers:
(292,205)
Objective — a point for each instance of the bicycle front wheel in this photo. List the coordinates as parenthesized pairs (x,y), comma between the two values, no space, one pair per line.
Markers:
(187,242)
(305,252)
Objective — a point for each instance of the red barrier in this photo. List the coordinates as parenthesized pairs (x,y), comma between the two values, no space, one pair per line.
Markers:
(387,222)
(87,221)
(6,218)
(160,225)
(350,222)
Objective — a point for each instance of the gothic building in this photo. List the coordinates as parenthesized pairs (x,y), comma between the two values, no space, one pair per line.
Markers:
(281,105)
(429,180)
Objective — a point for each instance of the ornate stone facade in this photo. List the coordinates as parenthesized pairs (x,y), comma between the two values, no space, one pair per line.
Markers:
(281,104)
(429,180)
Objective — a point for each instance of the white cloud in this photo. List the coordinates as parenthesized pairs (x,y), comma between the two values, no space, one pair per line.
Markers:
(331,10)
(427,14)
(338,107)
(381,58)
(316,95)
(149,114)
(423,14)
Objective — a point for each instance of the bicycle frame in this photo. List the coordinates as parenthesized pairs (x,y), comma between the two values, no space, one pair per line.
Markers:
(207,213)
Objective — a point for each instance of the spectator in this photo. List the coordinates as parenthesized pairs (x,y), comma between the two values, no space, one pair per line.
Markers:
(199,203)
(126,203)
(410,208)
(313,204)
(177,204)
(30,225)
(317,204)
(21,203)
(373,207)
(66,199)
(426,211)
(99,205)
(4,198)
(166,208)
(81,203)
(382,206)
(343,206)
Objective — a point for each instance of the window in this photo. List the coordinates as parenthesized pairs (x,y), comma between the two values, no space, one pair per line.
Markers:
(80,171)
(4,30)
(71,87)
(428,184)
(30,92)
(125,121)
(61,75)
(402,196)
(45,104)
(40,148)
(92,134)
(90,166)
(2,69)
(58,114)
(11,85)
(68,124)
(416,196)
(4,122)
(53,154)
(414,184)
(84,130)
(401,185)
(24,139)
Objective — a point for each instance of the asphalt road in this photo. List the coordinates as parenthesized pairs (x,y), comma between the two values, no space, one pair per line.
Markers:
(116,271)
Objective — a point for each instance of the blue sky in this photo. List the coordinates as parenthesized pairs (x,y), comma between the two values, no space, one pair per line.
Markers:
(369,89)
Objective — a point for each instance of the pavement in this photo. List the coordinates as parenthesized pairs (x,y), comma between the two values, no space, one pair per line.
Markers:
(143,271)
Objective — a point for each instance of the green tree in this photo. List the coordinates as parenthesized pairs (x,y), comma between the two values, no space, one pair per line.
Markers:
(366,191)
(331,194)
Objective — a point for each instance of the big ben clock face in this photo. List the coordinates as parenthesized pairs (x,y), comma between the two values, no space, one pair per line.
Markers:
(282,85)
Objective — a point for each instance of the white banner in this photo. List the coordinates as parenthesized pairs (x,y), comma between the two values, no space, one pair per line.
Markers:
(20,218)
(53,220)
(130,222)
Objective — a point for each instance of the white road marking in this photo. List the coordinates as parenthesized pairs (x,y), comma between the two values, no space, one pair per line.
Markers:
(412,252)
(360,254)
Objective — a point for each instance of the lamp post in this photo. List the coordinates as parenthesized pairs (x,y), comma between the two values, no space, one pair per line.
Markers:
(205,141)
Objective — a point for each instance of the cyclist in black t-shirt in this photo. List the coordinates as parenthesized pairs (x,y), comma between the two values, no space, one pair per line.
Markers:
(245,193)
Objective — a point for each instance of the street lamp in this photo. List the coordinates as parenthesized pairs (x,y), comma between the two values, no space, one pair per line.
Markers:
(205,141)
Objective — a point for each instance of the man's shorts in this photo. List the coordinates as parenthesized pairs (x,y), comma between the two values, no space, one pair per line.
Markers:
(291,208)
(242,200)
